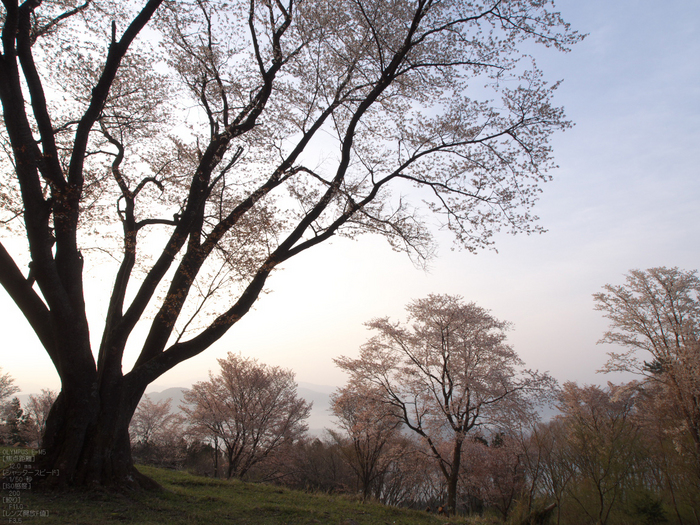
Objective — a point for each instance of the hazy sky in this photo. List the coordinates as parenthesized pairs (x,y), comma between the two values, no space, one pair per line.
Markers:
(625,196)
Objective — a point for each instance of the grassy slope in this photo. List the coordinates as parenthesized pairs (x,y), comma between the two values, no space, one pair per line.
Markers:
(189,499)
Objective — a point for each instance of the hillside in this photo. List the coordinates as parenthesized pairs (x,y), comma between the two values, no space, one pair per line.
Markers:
(188,499)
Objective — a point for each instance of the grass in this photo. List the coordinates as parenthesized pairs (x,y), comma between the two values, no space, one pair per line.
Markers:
(189,499)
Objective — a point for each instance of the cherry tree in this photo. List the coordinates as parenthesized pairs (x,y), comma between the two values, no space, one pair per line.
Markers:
(7,386)
(154,422)
(370,426)
(251,408)
(601,444)
(505,481)
(199,145)
(657,313)
(157,433)
(38,408)
(446,372)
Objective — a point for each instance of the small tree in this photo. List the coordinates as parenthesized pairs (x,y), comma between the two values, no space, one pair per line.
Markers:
(156,433)
(7,387)
(38,409)
(505,474)
(15,423)
(251,408)
(669,452)
(316,464)
(152,421)
(449,373)
(546,465)
(602,444)
(370,426)
(9,429)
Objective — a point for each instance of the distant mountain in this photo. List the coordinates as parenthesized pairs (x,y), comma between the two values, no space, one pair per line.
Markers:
(176,394)
(325,389)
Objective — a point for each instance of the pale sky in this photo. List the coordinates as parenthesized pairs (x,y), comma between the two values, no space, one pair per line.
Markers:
(625,196)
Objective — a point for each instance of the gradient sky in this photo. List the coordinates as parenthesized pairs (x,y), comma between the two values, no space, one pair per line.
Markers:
(625,196)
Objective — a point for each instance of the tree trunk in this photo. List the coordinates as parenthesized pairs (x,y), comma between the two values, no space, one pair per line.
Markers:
(454,478)
(229,457)
(216,457)
(86,441)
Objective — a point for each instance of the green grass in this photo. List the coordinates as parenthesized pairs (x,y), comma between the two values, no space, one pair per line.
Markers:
(188,499)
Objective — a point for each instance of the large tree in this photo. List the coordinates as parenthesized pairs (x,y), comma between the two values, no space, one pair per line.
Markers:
(657,313)
(445,373)
(203,143)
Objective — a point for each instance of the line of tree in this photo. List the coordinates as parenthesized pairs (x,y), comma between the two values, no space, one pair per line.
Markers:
(614,455)
(439,411)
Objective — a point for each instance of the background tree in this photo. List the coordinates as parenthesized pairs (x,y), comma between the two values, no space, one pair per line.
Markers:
(545,458)
(38,408)
(316,464)
(157,434)
(371,426)
(410,477)
(251,408)
(152,420)
(7,386)
(8,409)
(602,445)
(15,425)
(505,482)
(445,372)
(669,453)
(198,216)
(657,312)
